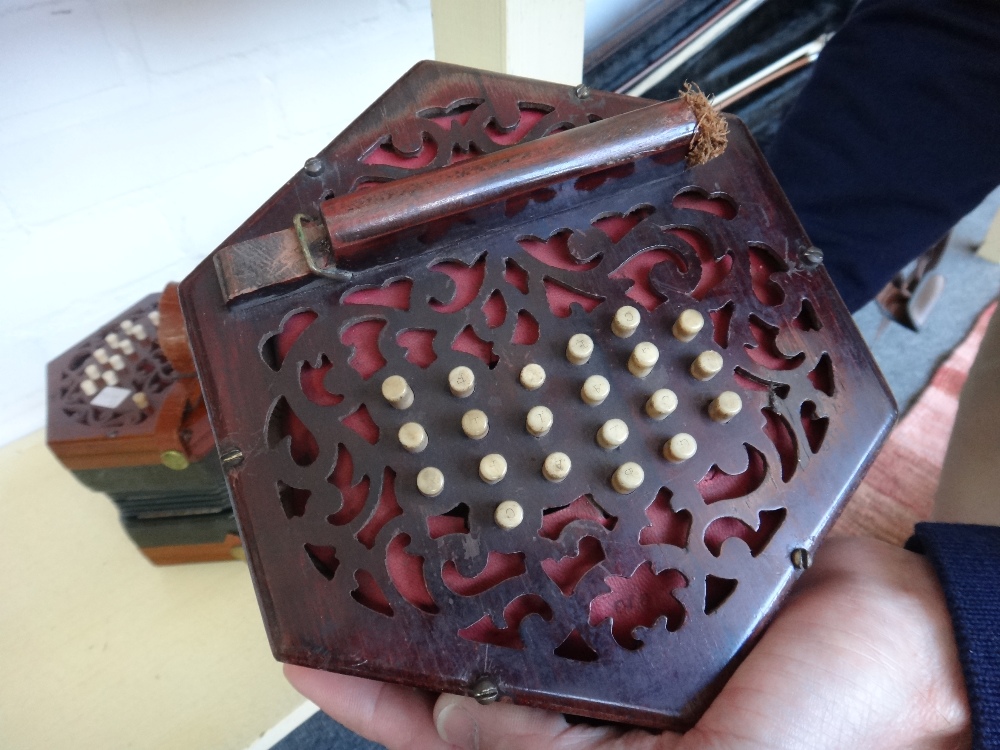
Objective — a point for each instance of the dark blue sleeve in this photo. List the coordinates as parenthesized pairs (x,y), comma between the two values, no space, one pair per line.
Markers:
(896,136)
(966,559)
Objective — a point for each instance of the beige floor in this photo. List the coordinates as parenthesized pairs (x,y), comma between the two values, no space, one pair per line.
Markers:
(101,649)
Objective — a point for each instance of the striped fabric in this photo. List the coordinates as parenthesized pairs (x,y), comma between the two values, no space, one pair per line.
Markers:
(898,491)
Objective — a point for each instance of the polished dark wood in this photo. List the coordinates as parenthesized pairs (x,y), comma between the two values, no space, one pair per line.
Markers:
(360,221)
(352,567)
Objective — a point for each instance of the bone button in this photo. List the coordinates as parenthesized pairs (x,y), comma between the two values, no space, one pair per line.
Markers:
(612,434)
(556,467)
(139,332)
(688,325)
(625,322)
(117,362)
(101,355)
(112,340)
(532,377)
(88,387)
(141,400)
(127,347)
(508,514)
(492,468)
(413,437)
(579,349)
(661,404)
(595,389)
(109,377)
(92,371)
(430,481)
(397,392)
(126,325)
(627,478)
(643,358)
(461,381)
(680,448)
(725,406)
(154,317)
(475,424)
(539,421)
(706,365)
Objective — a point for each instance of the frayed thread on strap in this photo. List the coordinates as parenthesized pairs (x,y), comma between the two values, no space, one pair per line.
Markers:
(712,132)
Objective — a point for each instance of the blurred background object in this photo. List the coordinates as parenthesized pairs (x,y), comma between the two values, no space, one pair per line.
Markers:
(126,416)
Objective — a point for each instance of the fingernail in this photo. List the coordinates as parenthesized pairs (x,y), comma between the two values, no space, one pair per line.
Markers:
(457,727)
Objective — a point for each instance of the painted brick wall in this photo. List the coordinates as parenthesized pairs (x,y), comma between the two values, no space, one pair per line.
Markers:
(136,134)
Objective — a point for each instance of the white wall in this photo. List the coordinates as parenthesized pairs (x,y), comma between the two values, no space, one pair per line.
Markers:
(136,134)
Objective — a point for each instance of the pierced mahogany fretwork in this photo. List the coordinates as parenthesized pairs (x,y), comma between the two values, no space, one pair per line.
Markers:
(630,607)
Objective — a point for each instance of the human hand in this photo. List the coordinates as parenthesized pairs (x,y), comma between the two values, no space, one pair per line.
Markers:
(860,656)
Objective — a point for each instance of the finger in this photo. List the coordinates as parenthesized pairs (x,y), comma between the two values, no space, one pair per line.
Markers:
(397,717)
(464,723)
(861,655)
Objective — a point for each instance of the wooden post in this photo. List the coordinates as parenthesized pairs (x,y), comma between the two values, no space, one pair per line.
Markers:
(533,38)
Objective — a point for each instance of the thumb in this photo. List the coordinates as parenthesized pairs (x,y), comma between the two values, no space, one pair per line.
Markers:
(464,723)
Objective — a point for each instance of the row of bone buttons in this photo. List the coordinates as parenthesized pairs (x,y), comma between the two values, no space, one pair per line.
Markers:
(121,346)
(596,388)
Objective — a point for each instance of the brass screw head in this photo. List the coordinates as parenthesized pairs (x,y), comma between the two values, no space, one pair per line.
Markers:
(800,558)
(174,460)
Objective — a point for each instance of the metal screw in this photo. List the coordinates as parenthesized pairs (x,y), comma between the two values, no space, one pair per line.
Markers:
(812,256)
(313,166)
(232,458)
(800,558)
(484,690)
(582,91)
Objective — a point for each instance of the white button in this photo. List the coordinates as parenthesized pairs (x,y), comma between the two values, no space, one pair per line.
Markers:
(430,481)
(706,365)
(625,322)
(397,392)
(508,514)
(579,349)
(88,387)
(688,325)
(413,437)
(109,377)
(661,404)
(627,478)
(141,400)
(595,389)
(139,333)
(725,406)
(475,424)
(612,434)
(101,355)
(556,467)
(539,421)
(116,362)
(92,371)
(461,381)
(680,447)
(492,468)
(643,358)
(532,377)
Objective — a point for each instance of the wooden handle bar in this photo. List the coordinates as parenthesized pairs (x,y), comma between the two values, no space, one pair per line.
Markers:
(359,221)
